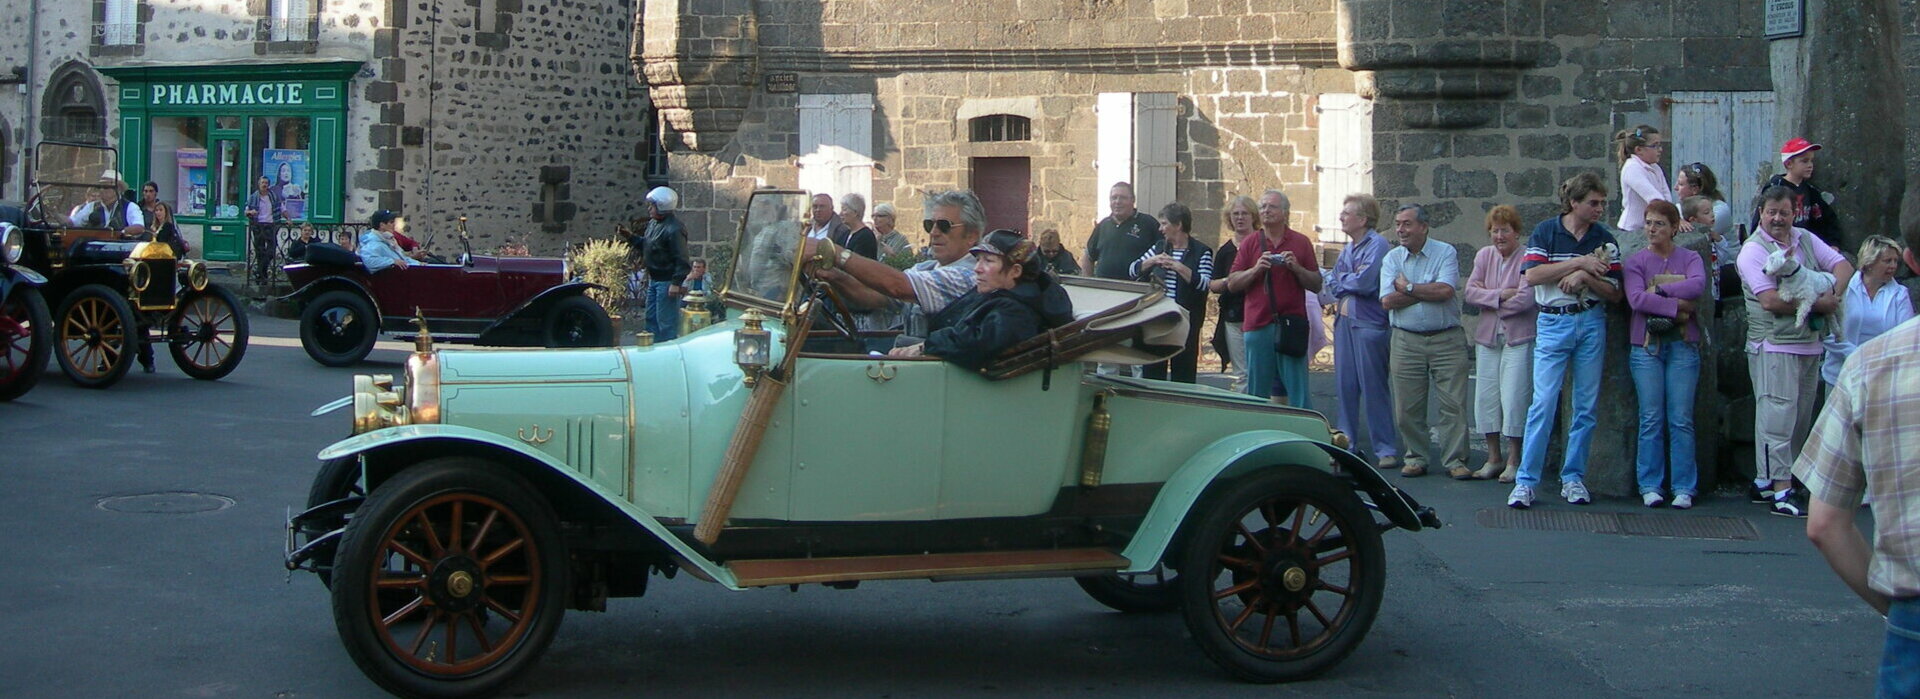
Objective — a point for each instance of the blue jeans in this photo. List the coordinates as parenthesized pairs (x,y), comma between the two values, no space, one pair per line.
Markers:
(1900,663)
(663,312)
(1665,383)
(1268,368)
(1579,339)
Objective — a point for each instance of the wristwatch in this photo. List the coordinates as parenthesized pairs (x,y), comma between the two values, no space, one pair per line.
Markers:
(840,260)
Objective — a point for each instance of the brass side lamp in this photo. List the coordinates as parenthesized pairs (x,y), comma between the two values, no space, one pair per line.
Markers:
(752,346)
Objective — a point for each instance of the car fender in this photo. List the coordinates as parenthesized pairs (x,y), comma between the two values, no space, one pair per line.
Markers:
(299,297)
(21,276)
(393,438)
(535,308)
(1238,454)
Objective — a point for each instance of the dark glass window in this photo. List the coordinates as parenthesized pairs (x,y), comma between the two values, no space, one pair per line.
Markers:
(995,128)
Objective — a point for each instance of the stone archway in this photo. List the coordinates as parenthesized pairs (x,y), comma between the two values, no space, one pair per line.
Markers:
(75,108)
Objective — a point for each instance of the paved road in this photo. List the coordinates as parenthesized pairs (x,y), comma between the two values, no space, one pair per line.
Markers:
(98,602)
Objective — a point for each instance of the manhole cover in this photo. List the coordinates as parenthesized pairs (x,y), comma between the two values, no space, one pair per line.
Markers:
(174,503)
(1622,523)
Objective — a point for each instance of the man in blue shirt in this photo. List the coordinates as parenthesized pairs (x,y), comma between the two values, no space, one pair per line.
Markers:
(377,249)
(1361,336)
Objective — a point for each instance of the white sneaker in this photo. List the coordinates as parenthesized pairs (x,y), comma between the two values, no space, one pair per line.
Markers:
(1521,498)
(1653,499)
(1682,501)
(1576,493)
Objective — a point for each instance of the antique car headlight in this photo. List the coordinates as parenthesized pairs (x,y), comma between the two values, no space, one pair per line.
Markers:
(196,274)
(375,404)
(139,275)
(752,344)
(13,243)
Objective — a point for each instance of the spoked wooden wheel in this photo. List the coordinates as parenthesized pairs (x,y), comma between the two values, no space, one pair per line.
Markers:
(98,336)
(1282,574)
(450,579)
(25,336)
(208,334)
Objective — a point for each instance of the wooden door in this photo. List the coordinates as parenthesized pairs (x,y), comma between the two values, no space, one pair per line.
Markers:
(1003,185)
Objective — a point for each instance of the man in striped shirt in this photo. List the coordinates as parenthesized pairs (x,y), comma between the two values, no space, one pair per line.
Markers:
(957,223)
(1573,263)
(1867,442)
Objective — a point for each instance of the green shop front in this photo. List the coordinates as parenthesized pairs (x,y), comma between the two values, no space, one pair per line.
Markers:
(206,134)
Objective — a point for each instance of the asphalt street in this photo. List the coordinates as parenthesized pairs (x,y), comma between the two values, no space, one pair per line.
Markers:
(100,598)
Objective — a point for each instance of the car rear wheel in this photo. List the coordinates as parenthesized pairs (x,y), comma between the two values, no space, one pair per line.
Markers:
(338,328)
(480,571)
(208,334)
(576,321)
(1281,574)
(98,336)
(1135,593)
(25,341)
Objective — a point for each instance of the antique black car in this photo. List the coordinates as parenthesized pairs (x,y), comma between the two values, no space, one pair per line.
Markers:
(24,327)
(117,295)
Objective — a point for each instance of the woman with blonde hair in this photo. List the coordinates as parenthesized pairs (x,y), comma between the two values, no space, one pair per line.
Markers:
(1504,343)
(1240,217)
(1874,303)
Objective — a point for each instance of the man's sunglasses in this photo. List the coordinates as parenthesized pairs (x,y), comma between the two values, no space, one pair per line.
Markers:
(930,224)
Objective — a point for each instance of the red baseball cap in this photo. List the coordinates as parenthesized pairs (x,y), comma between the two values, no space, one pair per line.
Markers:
(1795,146)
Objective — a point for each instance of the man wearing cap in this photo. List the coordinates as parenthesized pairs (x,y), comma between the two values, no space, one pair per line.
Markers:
(377,249)
(1013,298)
(1812,208)
(664,250)
(957,220)
(107,207)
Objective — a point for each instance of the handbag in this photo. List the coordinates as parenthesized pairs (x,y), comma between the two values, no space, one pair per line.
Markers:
(1291,330)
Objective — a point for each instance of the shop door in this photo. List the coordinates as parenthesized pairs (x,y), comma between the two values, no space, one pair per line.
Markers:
(1003,185)
(226,233)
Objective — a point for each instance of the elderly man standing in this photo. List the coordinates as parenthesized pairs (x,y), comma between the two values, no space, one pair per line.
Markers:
(824,224)
(958,220)
(1428,351)
(1361,335)
(1274,272)
(664,249)
(1783,356)
(1122,237)
(1864,444)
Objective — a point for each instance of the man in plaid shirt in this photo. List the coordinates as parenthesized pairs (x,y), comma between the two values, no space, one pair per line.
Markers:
(1868,442)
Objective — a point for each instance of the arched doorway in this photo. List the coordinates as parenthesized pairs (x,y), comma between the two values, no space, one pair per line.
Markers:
(75,106)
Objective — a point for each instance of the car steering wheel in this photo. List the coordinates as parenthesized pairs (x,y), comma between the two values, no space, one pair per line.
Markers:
(837,313)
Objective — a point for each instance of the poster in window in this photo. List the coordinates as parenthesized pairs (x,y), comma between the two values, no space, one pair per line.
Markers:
(192,164)
(288,170)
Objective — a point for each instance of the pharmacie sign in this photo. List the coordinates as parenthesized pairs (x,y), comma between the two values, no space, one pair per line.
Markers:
(227,94)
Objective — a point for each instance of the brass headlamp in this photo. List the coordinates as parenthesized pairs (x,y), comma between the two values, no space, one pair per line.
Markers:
(752,345)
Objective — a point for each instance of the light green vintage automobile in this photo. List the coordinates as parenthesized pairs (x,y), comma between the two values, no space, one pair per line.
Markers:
(491,490)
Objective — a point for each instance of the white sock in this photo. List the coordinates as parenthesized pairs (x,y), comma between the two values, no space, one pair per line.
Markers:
(1781,494)
(1763,483)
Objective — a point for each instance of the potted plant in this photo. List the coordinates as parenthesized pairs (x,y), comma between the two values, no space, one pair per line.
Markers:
(603,263)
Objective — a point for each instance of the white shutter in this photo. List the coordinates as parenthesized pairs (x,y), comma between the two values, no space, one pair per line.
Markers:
(1756,156)
(1702,133)
(122,20)
(291,20)
(1346,159)
(1114,159)
(1154,115)
(836,145)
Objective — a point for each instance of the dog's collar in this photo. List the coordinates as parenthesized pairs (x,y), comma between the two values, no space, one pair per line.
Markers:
(1796,270)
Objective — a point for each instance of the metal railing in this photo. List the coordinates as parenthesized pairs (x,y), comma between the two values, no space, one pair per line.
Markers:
(268,272)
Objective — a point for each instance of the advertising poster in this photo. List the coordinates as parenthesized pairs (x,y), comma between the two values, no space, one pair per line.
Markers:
(287,169)
(192,163)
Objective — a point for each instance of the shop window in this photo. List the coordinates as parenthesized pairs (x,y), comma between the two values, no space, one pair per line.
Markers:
(996,128)
(292,20)
(177,163)
(280,150)
(119,23)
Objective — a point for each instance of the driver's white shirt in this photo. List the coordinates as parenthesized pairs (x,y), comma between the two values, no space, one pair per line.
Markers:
(935,285)
(133,214)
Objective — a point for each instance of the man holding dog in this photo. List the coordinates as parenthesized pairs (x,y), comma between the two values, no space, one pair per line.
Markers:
(1783,356)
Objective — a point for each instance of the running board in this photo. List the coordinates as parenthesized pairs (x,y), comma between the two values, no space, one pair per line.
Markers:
(796,571)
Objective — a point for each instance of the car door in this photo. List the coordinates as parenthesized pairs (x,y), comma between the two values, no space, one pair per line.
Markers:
(867,438)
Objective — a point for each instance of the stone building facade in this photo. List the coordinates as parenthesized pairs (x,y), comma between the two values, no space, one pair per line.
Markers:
(522,117)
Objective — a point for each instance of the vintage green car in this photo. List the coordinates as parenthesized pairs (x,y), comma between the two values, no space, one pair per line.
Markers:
(491,490)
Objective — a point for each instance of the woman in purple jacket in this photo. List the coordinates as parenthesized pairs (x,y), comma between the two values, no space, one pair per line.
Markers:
(1504,343)
(1663,282)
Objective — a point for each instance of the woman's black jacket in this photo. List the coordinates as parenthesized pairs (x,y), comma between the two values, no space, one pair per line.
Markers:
(977,327)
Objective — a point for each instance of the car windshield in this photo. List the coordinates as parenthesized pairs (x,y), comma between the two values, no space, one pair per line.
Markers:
(65,172)
(769,246)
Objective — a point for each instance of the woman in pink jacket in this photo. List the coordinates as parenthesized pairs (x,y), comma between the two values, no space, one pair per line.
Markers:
(1663,282)
(1504,370)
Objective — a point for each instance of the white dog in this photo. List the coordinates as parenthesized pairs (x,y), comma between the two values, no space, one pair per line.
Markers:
(1800,285)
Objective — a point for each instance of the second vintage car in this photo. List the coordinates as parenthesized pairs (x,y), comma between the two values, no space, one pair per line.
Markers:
(479,299)
(489,491)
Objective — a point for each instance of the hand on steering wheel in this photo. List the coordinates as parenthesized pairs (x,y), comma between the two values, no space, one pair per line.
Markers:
(837,313)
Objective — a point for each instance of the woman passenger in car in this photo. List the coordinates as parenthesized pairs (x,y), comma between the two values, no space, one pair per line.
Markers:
(1013,299)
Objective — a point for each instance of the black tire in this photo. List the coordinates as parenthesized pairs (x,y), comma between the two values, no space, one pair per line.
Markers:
(26,338)
(576,321)
(337,478)
(97,336)
(1141,593)
(516,601)
(207,334)
(338,328)
(1259,560)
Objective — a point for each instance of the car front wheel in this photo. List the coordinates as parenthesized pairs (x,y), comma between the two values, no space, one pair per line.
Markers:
(576,321)
(25,339)
(208,334)
(450,580)
(98,336)
(338,328)
(1281,574)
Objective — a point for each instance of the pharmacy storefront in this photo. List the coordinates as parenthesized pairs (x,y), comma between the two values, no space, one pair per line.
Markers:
(206,134)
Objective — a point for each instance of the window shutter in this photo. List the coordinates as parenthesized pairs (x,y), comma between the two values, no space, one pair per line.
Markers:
(836,145)
(1154,115)
(1346,159)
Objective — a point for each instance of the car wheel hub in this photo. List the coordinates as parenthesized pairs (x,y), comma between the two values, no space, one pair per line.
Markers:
(454,585)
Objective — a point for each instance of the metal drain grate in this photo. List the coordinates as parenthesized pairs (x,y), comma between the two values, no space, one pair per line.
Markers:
(1622,523)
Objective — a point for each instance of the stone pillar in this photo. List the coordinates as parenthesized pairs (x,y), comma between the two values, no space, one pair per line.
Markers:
(1841,85)
(698,59)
